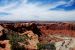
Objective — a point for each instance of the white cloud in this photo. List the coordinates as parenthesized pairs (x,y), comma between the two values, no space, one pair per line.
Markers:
(33,12)
(70,3)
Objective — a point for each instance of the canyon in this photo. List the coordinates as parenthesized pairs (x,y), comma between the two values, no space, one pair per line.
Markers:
(60,33)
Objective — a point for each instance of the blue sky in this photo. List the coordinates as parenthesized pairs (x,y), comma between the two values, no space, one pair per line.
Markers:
(42,10)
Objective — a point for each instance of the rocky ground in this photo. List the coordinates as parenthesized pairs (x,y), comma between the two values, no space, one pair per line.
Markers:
(37,36)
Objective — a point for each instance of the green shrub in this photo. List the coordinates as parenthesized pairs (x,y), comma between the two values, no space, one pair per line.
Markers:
(15,38)
(49,46)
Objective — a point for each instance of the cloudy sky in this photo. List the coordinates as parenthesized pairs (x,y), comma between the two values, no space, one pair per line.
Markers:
(34,10)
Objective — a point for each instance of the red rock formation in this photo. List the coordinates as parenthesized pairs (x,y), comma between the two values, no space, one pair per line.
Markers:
(63,28)
(5,45)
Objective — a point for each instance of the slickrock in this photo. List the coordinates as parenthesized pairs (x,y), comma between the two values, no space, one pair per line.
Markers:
(6,44)
(32,43)
(1,28)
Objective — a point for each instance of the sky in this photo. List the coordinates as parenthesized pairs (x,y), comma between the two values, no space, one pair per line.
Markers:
(37,10)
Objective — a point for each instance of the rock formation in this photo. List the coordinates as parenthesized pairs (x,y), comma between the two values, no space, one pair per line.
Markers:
(32,42)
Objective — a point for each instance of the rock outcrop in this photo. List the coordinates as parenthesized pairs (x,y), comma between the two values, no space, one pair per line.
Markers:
(5,45)
(36,32)
(32,42)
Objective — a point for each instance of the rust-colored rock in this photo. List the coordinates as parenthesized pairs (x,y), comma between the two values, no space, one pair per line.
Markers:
(6,45)
(32,43)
